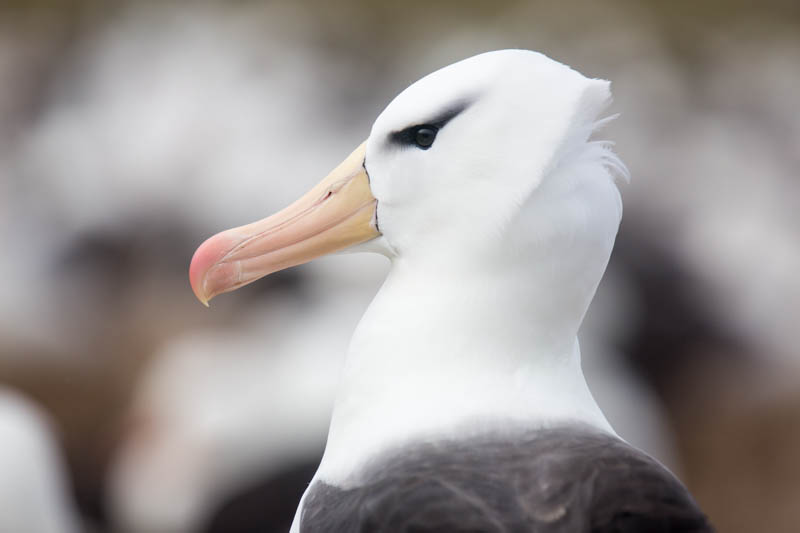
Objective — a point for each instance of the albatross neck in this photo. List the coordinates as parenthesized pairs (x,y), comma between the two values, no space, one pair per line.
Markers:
(447,349)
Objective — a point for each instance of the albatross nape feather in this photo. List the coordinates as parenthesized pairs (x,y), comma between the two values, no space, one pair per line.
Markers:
(462,405)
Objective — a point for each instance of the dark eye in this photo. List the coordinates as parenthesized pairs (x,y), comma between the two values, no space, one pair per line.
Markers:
(424,136)
(421,136)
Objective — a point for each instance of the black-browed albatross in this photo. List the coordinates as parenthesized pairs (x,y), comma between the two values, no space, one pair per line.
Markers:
(462,405)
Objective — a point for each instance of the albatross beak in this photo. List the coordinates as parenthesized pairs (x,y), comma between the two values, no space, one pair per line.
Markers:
(338,212)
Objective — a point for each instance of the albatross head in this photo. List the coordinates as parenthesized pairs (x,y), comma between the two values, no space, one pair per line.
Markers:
(481,162)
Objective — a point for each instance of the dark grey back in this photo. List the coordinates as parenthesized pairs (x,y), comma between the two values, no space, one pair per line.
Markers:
(567,479)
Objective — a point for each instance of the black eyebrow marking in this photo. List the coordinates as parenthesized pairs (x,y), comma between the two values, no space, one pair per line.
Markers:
(406,136)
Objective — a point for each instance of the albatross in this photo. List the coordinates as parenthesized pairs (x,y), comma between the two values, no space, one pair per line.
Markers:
(462,405)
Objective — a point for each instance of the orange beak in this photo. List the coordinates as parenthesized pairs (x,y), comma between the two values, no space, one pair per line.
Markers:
(338,212)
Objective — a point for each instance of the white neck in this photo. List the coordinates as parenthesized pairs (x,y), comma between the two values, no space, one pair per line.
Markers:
(453,345)
(410,374)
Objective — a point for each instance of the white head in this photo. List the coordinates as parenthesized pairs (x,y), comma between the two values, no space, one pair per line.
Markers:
(502,121)
(507,186)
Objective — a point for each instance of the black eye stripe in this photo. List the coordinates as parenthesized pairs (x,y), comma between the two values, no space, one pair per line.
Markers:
(423,135)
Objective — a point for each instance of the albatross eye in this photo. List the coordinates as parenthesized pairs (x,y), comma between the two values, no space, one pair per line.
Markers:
(421,136)
(424,136)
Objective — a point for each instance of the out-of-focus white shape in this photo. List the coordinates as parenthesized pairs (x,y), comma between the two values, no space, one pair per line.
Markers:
(219,409)
(33,492)
(746,244)
(201,118)
(24,49)
(716,164)
(27,315)
(186,112)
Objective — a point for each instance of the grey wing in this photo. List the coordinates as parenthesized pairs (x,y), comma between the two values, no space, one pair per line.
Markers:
(617,487)
(567,480)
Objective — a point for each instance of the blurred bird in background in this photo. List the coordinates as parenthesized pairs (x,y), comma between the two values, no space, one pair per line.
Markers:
(33,486)
(129,132)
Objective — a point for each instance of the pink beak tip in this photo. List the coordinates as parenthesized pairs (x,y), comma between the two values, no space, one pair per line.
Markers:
(205,257)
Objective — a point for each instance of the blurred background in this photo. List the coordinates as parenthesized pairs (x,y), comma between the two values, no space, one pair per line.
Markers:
(131,131)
